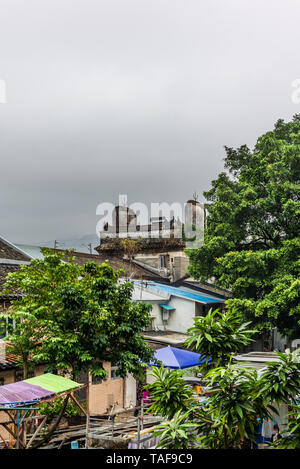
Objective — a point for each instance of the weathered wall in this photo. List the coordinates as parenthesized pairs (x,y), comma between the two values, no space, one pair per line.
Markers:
(106,393)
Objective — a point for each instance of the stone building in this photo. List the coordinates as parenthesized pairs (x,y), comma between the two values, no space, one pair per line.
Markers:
(158,246)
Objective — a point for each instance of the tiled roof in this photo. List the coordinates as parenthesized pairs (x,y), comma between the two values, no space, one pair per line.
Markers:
(4,270)
(116,262)
(7,360)
(9,251)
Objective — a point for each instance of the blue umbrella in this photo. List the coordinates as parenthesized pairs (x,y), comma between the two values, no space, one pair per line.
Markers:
(172,357)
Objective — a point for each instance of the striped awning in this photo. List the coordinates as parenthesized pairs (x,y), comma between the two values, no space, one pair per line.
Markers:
(35,389)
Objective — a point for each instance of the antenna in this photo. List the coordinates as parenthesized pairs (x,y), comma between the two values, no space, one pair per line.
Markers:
(89,246)
(195,196)
(57,243)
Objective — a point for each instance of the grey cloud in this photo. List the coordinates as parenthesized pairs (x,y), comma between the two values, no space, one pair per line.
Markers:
(132,96)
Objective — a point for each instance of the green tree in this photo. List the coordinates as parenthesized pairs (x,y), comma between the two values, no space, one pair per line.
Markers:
(84,314)
(53,408)
(218,335)
(251,244)
(24,334)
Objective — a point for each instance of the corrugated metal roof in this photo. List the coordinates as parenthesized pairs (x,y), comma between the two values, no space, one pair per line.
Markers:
(183,293)
(35,389)
(53,383)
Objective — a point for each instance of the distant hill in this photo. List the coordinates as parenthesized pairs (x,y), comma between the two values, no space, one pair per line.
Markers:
(80,244)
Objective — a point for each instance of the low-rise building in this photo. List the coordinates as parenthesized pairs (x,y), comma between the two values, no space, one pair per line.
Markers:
(175,308)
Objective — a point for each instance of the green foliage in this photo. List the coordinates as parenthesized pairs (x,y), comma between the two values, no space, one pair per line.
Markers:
(169,392)
(80,314)
(52,408)
(23,337)
(218,335)
(292,438)
(178,433)
(229,418)
(280,381)
(251,243)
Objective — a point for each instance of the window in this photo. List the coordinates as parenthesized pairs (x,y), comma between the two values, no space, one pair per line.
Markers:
(163,261)
(113,372)
(97,379)
(18,375)
(7,326)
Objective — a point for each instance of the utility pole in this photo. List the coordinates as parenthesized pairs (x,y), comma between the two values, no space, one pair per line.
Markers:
(89,246)
(56,244)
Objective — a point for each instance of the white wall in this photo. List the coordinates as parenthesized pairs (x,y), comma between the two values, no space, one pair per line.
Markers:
(130,391)
(182,318)
(149,379)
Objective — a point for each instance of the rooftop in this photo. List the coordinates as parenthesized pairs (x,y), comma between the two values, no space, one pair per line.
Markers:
(183,292)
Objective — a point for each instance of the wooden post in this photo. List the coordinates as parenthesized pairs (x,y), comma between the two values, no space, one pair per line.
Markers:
(37,431)
(87,411)
(142,414)
(124,392)
(18,429)
(139,432)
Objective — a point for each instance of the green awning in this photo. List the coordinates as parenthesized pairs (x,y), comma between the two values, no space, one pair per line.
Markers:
(168,307)
(54,383)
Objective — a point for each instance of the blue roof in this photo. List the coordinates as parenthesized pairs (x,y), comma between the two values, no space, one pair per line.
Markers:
(184,293)
(172,357)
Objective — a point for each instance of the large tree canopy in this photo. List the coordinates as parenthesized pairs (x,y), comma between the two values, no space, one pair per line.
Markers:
(252,241)
(73,317)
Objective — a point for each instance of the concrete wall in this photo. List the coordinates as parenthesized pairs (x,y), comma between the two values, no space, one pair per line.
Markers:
(105,394)
(180,319)
(176,262)
(130,391)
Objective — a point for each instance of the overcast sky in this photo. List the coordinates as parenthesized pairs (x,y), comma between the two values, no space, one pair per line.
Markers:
(135,97)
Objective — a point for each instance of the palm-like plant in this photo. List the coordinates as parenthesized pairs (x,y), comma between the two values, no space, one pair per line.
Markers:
(230,417)
(280,381)
(292,438)
(169,393)
(179,433)
(217,335)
